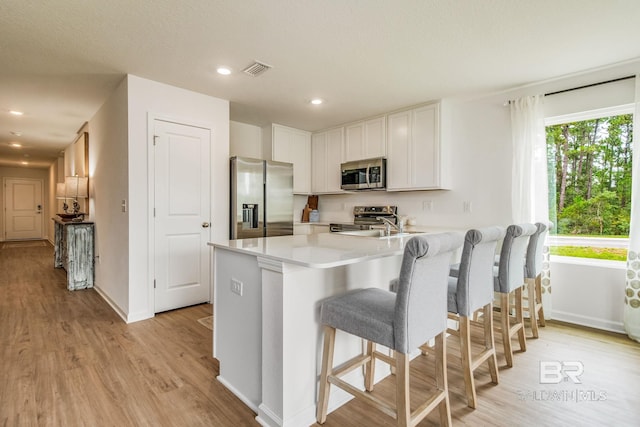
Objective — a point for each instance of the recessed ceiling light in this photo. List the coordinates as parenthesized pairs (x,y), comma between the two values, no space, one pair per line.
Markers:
(224,71)
(16,113)
(24,163)
(15,145)
(317,101)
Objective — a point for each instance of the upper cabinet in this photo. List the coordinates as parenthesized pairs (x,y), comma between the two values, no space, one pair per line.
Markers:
(416,150)
(326,152)
(365,139)
(245,140)
(285,144)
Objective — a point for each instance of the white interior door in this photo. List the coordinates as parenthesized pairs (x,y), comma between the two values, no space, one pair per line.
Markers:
(182,215)
(23,208)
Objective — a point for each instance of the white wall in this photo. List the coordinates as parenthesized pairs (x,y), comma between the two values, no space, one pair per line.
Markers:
(588,292)
(119,156)
(109,176)
(149,99)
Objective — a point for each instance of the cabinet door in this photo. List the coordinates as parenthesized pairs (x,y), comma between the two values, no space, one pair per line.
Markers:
(335,138)
(375,138)
(425,144)
(354,142)
(413,161)
(319,162)
(301,150)
(294,146)
(399,162)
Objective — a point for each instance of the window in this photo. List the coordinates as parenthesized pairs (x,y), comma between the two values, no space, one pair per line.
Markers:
(589,159)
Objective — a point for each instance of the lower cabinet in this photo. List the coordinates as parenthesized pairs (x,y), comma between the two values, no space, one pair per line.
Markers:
(74,251)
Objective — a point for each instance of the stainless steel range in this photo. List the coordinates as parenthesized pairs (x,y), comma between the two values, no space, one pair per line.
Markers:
(365,217)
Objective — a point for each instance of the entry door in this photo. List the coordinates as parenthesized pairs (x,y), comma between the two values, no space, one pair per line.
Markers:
(182,215)
(23,203)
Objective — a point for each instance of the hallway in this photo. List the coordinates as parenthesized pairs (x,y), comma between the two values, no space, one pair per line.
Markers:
(69,360)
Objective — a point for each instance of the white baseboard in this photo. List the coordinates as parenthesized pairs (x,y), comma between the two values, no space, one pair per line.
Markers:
(239,395)
(111,303)
(588,321)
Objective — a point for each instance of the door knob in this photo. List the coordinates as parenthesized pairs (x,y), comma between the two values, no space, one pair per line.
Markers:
(205,225)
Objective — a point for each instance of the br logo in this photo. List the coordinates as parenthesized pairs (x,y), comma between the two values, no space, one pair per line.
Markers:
(554,372)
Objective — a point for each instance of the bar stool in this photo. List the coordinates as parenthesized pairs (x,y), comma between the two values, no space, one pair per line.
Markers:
(509,278)
(469,292)
(401,322)
(533,273)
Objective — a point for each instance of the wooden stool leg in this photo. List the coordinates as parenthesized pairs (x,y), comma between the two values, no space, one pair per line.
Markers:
(532,306)
(465,351)
(504,321)
(441,379)
(327,369)
(370,366)
(489,341)
(539,300)
(520,320)
(402,390)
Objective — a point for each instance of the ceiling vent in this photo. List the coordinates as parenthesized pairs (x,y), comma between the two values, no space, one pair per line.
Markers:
(256,69)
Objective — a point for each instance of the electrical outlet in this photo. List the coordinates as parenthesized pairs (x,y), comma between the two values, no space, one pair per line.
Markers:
(467,207)
(236,286)
(427,206)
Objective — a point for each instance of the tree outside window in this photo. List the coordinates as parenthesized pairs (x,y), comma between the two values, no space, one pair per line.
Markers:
(590,186)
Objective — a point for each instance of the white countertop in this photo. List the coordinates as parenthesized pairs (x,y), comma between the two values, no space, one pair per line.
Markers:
(323,250)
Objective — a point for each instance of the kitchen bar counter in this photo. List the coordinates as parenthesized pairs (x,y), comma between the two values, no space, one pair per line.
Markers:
(267,298)
(324,250)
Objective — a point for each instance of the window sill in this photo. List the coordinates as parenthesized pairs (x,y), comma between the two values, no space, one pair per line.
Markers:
(592,262)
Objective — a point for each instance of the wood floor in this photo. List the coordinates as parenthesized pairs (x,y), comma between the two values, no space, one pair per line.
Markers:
(66,359)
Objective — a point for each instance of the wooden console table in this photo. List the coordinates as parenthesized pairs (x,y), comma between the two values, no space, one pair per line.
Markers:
(74,251)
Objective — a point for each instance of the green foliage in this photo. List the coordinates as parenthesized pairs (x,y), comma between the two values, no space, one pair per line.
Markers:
(590,175)
(615,254)
(597,216)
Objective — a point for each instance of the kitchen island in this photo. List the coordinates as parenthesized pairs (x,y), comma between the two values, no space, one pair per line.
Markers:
(267,336)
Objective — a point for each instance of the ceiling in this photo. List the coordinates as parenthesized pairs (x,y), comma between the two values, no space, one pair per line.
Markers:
(59,61)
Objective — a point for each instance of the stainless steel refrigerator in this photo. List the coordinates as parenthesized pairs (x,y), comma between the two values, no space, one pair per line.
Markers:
(261,198)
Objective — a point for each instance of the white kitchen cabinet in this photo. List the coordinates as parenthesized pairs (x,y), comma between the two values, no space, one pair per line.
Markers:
(365,139)
(286,144)
(245,140)
(416,152)
(326,155)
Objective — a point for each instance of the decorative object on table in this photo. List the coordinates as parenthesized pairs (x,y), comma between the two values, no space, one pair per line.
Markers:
(73,188)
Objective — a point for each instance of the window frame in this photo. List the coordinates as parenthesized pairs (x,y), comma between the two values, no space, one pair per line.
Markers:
(618,110)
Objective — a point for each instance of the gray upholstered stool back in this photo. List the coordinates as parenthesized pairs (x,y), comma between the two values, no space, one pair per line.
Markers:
(421,301)
(533,264)
(474,288)
(510,274)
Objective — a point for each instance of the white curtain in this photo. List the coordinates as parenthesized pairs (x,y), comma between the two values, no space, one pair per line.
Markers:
(529,194)
(632,291)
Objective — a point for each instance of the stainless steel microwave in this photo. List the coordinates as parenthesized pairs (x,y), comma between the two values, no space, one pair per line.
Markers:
(367,174)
